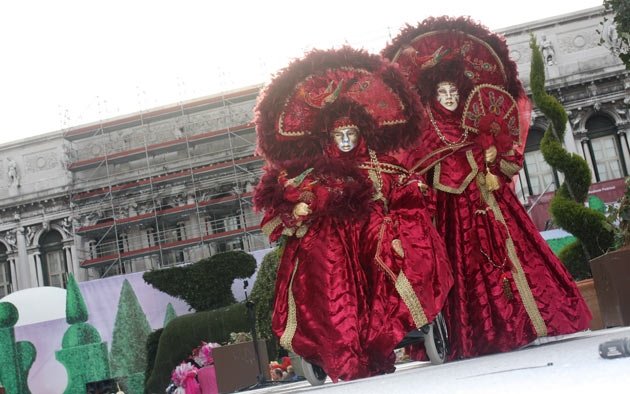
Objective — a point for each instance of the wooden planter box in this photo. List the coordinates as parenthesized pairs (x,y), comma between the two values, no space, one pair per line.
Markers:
(611,274)
(236,368)
(588,292)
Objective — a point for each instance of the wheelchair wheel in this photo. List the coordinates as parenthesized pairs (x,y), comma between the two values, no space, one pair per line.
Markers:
(314,374)
(436,340)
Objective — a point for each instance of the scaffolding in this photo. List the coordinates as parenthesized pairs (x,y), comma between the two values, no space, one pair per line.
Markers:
(169,186)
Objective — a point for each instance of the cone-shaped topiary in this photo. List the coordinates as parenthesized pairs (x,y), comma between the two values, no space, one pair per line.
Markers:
(76,311)
(594,237)
(170,314)
(128,355)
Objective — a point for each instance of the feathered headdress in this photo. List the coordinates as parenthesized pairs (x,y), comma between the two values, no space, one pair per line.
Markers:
(297,110)
(465,52)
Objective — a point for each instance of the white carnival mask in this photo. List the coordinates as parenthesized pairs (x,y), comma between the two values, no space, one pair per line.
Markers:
(448,95)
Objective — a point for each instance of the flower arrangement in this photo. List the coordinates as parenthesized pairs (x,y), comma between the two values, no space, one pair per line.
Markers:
(184,377)
(203,354)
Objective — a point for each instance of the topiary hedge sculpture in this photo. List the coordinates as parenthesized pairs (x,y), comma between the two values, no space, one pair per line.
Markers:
(207,284)
(16,358)
(594,237)
(263,296)
(184,333)
(128,356)
(82,353)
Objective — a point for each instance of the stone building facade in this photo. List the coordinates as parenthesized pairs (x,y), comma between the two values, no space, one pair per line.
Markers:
(168,186)
(592,84)
(174,184)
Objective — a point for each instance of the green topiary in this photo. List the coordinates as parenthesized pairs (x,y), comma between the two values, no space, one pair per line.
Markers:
(263,296)
(593,236)
(76,311)
(16,358)
(128,355)
(207,284)
(153,341)
(170,314)
(184,333)
(84,356)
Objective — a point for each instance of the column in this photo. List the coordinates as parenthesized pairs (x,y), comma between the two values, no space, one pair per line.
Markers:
(625,147)
(68,252)
(27,277)
(14,276)
(588,156)
(39,272)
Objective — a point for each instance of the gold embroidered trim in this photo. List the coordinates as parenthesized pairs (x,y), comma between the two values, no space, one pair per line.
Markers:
(401,283)
(496,57)
(268,228)
(300,133)
(379,246)
(411,300)
(473,171)
(387,168)
(290,231)
(289,330)
(301,231)
(453,149)
(509,168)
(519,276)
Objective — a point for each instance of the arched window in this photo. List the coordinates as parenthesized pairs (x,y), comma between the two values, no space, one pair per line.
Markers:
(5,272)
(605,148)
(54,265)
(541,178)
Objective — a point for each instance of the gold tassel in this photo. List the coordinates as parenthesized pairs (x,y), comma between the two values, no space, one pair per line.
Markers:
(507,289)
(492,182)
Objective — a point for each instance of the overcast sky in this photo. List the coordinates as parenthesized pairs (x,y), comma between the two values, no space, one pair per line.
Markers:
(67,63)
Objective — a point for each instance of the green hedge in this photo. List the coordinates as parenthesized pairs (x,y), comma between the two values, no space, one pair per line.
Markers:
(184,333)
(207,284)
(593,237)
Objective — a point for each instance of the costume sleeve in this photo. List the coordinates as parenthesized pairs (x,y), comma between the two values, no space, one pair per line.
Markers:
(278,196)
(410,194)
(510,163)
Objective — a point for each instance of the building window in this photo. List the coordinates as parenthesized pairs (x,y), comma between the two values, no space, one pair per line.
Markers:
(5,272)
(208,225)
(180,231)
(123,243)
(54,265)
(152,237)
(540,176)
(605,149)
(606,154)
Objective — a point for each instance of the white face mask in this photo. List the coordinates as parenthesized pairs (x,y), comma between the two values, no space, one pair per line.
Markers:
(346,138)
(448,95)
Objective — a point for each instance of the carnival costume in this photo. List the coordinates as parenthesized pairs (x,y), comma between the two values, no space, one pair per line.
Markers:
(509,286)
(362,264)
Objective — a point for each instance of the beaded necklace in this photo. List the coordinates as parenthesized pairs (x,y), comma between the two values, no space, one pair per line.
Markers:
(445,140)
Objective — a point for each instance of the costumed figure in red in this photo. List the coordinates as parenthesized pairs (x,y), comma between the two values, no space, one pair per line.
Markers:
(362,265)
(510,288)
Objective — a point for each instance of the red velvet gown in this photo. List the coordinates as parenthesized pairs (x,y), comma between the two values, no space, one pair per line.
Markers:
(338,300)
(509,286)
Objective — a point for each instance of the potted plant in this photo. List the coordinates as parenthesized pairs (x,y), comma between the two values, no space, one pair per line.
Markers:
(594,234)
(611,271)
